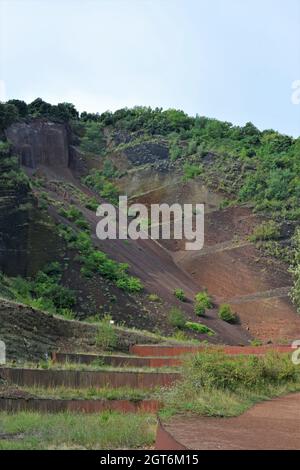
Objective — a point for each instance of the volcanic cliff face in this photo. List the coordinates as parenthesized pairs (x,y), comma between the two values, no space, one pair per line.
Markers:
(27,240)
(230,267)
(40,142)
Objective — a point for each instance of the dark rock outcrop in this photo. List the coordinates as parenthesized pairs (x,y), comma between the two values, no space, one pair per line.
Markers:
(27,240)
(77,161)
(40,142)
(146,152)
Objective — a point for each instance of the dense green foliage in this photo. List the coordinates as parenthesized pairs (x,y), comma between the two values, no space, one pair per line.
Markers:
(180,295)
(176,318)
(44,291)
(62,111)
(11,175)
(199,328)
(75,215)
(8,115)
(215,384)
(13,110)
(93,139)
(95,261)
(269,161)
(216,370)
(266,231)
(191,171)
(226,314)
(106,337)
(99,183)
(201,303)
(152,121)
(295,270)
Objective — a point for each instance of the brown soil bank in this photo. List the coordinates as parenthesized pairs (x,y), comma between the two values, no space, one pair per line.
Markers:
(234,271)
(31,334)
(230,267)
(272,425)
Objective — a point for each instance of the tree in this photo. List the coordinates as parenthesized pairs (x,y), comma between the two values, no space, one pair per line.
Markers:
(93,140)
(8,115)
(21,107)
(65,111)
(38,107)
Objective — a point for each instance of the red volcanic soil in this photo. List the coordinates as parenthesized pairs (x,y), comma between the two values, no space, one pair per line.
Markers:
(234,271)
(272,425)
(154,265)
(229,267)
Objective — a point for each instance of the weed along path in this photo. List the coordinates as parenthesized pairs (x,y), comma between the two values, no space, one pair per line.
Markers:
(271,425)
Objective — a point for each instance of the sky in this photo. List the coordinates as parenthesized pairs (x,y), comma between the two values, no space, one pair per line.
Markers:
(235,60)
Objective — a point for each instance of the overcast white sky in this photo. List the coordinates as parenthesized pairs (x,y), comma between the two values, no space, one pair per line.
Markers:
(231,59)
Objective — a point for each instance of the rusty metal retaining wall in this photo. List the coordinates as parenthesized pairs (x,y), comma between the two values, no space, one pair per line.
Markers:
(172,350)
(116,361)
(87,379)
(48,405)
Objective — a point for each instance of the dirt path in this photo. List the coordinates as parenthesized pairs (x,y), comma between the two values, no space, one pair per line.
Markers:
(273,425)
(269,294)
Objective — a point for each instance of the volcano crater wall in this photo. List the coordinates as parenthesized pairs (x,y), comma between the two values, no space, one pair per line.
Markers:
(40,142)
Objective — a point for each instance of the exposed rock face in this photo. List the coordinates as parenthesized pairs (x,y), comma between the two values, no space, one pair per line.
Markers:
(77,162)
(27,241)
(147,152)
(40,142)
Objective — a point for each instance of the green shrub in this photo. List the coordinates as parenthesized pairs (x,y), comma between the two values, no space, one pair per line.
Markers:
(216,370)
(48,288)
(93,140)
(92,204)
(191,171)
(226,314)
(180,295)
(201,303)
(154,298)
(129,284)
(176,318)
(4,146)
(180,335)
(95,261)
(175,152)
(266,231)
(75,215)
(12,177)
(8,114)
(256,342)
(199,310)
(44,291)
(98,182)
(67,313)
(200,328)
(295,270)
(106,334)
